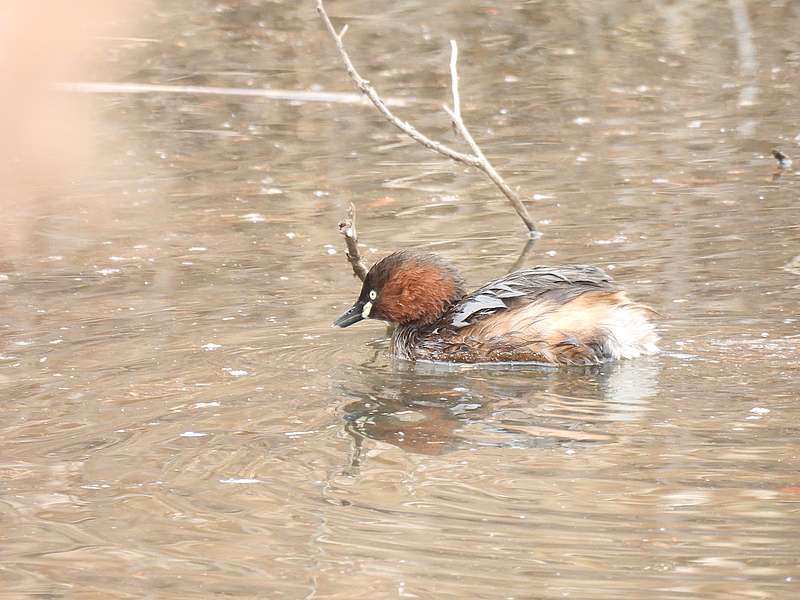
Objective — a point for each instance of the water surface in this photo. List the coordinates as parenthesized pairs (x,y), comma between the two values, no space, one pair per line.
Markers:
(180,420)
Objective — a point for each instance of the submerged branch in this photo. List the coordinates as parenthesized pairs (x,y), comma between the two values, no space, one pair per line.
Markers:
(524,254)
(476,159)
(784,162)
(287,95)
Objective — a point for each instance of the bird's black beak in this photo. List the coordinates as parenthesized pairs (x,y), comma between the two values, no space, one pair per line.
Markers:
(353,315)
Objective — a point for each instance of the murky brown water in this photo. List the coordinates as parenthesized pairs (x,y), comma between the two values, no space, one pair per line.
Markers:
(180,421)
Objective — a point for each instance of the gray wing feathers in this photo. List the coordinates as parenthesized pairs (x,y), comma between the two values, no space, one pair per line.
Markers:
(565,282)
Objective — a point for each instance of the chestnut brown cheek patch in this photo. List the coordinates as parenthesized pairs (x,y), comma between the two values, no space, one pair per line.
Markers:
(418,302)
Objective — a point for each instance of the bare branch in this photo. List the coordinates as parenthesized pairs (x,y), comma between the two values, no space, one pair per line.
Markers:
(348,229)
(476,160)
(370,92)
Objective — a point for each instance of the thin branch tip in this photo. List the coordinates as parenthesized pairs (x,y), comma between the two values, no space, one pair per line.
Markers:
(454,83)
(347,227)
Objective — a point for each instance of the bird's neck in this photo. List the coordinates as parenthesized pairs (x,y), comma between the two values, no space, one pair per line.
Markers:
(405,339)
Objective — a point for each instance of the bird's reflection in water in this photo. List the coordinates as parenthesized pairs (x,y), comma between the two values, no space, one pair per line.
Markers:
(432,409)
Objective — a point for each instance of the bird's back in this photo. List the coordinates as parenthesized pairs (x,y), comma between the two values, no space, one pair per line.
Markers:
(565,315)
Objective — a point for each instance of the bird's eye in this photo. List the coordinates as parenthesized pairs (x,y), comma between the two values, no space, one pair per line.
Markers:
(373,294)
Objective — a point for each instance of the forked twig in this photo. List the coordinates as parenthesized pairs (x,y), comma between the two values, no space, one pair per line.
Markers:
(476,159)
(348,229)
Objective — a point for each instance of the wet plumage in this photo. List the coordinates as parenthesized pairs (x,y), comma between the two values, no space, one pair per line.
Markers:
(573,315)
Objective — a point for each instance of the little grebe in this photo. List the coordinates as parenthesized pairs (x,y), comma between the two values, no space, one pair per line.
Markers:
(569,315)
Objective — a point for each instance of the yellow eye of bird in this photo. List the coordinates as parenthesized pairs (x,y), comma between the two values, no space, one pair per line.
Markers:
(373,294)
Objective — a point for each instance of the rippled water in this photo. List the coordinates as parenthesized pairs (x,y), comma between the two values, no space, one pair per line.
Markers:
(180,421)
